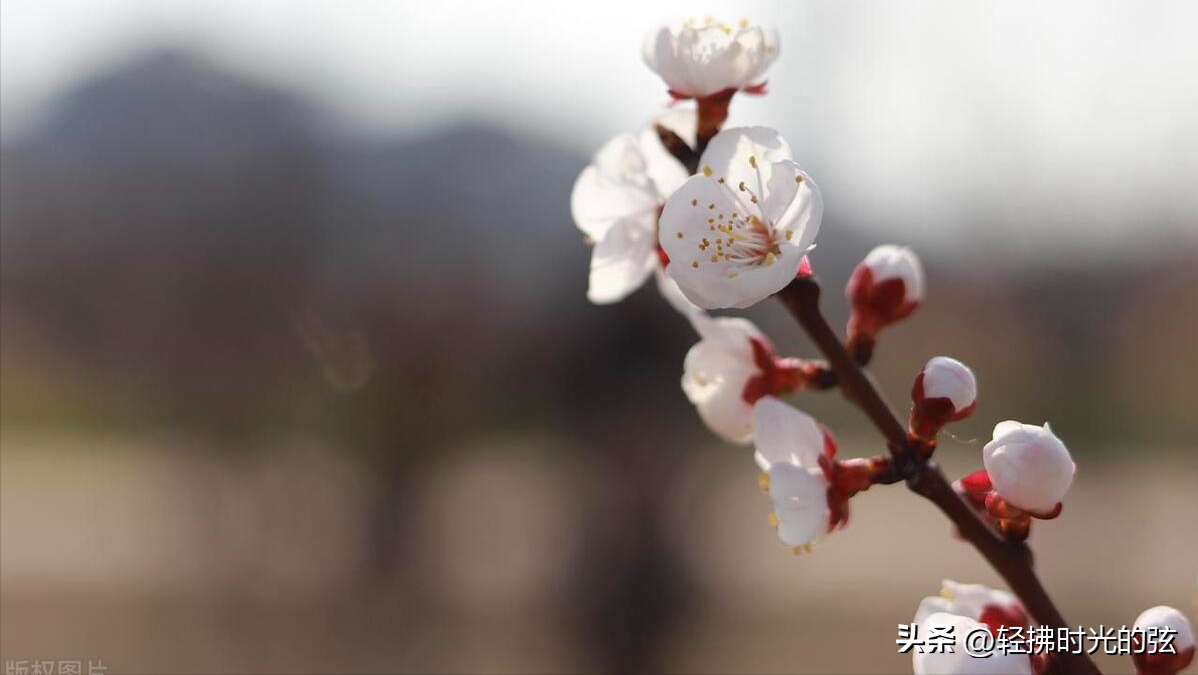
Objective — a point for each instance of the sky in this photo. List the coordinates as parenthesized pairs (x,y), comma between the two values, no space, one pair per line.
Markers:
(1016,121)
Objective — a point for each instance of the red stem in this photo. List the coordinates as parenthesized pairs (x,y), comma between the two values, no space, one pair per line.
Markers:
(1012,560)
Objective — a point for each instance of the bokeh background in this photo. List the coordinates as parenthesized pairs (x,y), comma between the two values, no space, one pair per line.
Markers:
(298,374)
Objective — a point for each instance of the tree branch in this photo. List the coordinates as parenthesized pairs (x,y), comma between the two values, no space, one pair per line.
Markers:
(1012,560)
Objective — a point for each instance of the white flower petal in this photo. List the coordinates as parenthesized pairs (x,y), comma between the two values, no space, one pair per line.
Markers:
(673,295)
(702,59)
(897,262)
(800,498)
(971,599)
(793,204)
(615,186)
(967,600)
(715,268)
(944,377)
(733,153)
(737,232)
(1163,616)
(622,260)
(1011,430)
(932,605)
(714,381)
(1029,466)
(733,335)
(784,434)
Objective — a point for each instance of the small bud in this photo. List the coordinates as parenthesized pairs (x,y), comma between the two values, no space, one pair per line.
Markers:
(1165,620)
(1029,467)
(944,391)
(884,288)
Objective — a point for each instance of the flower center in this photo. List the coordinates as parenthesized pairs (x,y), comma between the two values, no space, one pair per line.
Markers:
(738,238)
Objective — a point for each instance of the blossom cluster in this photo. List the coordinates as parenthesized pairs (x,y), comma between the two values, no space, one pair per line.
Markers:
(724,218)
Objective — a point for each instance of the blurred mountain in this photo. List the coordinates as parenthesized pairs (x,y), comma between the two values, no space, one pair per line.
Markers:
(178,232)
(169,222)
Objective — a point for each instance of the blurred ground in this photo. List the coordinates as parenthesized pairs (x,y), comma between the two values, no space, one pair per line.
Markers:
(192,565)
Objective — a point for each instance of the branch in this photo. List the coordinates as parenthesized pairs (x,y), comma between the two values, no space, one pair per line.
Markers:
(677,147)
(1012,560)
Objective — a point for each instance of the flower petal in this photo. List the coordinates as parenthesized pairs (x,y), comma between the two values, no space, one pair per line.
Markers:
(745,155)
(721,254)
(800,503)
(793,206)
(622,260)
(673,295)
(959,662)
(733,335)
(945,377)
(1029,466)
(714,381)
(613,187)
(784,434)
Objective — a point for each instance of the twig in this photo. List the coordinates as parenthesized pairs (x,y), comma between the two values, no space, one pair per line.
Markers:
(1012,560)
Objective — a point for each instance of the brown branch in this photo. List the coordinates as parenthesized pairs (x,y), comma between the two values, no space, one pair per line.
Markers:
(677,147)
(1012,560)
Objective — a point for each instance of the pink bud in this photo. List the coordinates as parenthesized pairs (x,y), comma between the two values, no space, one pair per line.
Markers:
(1166,661)
(944,391)
(884,288)
(1029,466)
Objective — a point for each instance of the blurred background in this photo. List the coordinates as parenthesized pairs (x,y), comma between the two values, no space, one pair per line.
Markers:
(297,372)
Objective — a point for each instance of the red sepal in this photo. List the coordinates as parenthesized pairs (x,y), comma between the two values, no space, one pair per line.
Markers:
(875,304)
(756,89)
(663,257)
(775,376)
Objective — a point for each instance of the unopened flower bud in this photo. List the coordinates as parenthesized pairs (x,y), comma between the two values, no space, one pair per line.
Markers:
(1156,623)
(1029,466)
(944,391)
(884,288)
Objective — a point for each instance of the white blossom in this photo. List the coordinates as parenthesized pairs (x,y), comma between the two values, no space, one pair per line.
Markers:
(1029,466)
(789,444)
(737,231)
(616,202)
(698,59)
(958,661)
